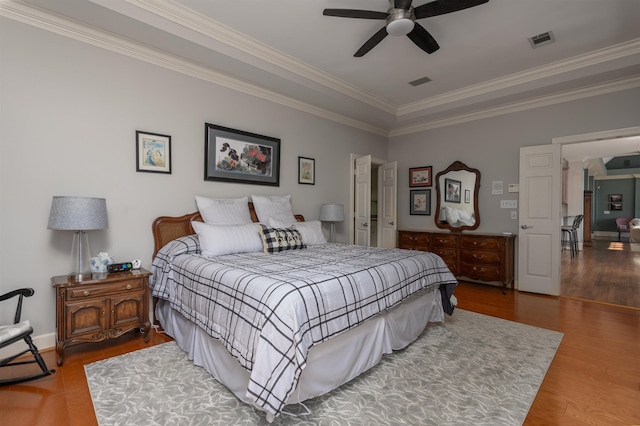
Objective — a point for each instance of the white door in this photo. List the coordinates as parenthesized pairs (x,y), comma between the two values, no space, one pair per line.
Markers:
(539,233)
(362,207)
(387,215)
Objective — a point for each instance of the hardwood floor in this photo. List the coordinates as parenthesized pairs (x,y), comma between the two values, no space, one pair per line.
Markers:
(594,378)
(607,272)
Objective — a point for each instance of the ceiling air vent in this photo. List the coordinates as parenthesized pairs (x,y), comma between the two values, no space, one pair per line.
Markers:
(541,39)
(420,81)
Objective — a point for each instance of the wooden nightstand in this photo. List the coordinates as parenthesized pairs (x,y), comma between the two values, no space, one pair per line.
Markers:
(98,309)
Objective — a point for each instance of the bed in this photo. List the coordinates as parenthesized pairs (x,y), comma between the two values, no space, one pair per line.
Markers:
(280,328)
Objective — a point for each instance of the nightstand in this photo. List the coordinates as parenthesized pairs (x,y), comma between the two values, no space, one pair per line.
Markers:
(98,309)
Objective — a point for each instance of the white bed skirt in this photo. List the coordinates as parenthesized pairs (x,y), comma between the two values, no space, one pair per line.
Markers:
(330,364)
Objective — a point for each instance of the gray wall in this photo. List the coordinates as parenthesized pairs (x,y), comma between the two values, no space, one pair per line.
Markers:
(493,146)
(604,188)
(69,116)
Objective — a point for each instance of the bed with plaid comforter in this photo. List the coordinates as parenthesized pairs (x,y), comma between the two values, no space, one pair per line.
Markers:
(268,310)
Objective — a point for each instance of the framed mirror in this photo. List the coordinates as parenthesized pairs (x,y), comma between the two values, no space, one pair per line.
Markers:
(457,198)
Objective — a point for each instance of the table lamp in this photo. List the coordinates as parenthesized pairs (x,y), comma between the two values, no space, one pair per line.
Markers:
(79,214)
(332,213)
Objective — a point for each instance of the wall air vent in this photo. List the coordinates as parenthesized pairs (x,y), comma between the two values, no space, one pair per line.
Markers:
(541,39)
(420,81)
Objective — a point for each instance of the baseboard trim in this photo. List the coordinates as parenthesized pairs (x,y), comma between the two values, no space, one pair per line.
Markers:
(44,342)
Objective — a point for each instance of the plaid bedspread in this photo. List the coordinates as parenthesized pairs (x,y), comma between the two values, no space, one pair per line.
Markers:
(270,309)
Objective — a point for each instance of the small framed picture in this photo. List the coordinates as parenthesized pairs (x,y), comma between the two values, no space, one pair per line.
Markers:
(306,171)
(420,202)
(420,176)
(467,196)
(452,190)
(153,152)
(615,206)
(615,198)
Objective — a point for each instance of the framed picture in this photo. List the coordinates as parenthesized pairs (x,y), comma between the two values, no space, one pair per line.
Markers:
(615,198)
(452,190)
(615,206)
(153,152)
(420,202)
(420,176)
(306,171)
(467,196)
(241,157)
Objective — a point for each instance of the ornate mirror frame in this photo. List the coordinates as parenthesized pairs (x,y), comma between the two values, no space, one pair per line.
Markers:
(456,177)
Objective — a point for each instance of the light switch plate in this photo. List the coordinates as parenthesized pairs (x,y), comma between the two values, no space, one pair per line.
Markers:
(514,187)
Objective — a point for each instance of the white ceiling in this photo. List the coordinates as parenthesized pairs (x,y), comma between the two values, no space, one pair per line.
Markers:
(286,49)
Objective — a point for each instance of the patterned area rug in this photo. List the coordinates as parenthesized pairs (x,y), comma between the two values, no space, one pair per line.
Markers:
(471,370)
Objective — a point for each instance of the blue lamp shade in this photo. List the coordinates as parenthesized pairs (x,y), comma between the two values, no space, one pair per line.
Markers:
(79,214)
(332,213)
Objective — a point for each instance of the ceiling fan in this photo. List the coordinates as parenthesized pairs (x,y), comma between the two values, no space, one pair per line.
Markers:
(400,20)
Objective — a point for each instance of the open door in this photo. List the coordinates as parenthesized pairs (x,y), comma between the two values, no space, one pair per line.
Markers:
(362,205)
(539,234)
(388,213)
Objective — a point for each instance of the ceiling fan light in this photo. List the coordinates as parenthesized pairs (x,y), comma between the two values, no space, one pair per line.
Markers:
(400,27)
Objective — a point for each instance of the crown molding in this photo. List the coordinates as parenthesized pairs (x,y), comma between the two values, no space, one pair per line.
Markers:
(596,57)
(45,20)
(566,96)
(48,21)
(178,14)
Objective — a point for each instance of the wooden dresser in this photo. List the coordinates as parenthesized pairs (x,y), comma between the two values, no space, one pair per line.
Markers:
(477,257)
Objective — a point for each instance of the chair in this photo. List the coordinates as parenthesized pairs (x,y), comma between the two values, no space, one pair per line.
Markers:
(20,330)
(570,235)
(622,225)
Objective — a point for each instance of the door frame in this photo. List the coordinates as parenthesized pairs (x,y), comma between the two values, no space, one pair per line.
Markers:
(352,172)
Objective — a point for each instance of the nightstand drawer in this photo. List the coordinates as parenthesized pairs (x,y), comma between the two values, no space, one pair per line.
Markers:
(83,292)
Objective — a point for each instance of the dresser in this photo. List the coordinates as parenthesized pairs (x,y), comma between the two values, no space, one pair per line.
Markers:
(98,309)
(477,257)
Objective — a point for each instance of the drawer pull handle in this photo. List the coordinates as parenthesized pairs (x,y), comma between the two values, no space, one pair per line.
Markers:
(479,244)
(128,287)
(478,269)
(86,293)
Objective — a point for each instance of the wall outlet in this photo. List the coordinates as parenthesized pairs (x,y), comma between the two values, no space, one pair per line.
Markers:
(514,187)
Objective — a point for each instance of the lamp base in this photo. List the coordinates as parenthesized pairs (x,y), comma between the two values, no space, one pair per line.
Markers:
(80,257)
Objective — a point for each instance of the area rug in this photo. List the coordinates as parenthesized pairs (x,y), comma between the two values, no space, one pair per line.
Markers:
(472,370)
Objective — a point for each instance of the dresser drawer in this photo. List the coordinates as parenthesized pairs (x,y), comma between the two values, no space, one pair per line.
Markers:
(82,292)
(413,240)
(480,272)
(481,257)
(479,243)
(445,241)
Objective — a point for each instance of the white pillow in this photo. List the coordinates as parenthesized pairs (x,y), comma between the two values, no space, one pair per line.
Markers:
(224,211)
(451,215)
(216,240)
(311,231)
(275,206)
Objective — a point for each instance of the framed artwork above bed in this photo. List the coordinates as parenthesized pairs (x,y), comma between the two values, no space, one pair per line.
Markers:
(241,157)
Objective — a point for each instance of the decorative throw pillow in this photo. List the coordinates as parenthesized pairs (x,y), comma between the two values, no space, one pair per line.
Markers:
(224,211)
(216,240)
(311,231)
(274,206)
(280,239)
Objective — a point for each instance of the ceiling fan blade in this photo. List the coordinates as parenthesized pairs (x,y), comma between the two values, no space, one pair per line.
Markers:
(423,39)
(441,7)
(402,4)
(372,42)
(355,13)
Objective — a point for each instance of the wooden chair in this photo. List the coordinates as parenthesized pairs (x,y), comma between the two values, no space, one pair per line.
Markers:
(20,330)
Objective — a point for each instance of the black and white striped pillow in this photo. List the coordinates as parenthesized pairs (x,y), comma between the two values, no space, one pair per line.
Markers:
(280,239)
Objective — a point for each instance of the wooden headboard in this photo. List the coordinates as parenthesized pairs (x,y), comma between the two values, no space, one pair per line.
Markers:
(168,228)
